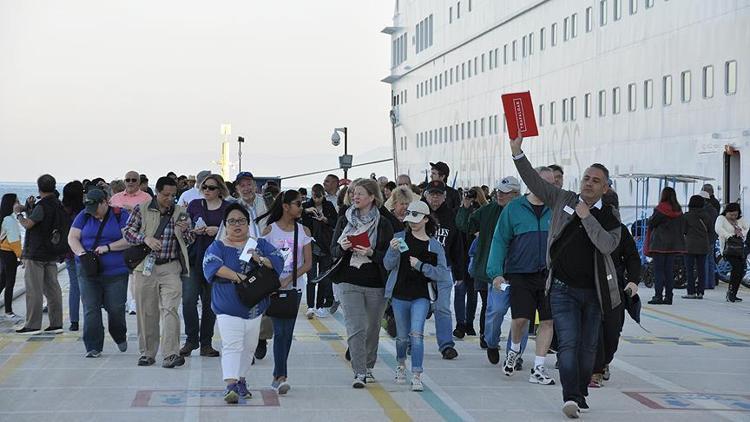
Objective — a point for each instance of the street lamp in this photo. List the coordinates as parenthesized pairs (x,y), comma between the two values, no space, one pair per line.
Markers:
(240,141)
(345,161)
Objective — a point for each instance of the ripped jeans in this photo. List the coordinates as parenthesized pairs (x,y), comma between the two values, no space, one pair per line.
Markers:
(410,318)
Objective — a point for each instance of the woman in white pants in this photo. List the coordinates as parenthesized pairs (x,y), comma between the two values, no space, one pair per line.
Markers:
(239,325)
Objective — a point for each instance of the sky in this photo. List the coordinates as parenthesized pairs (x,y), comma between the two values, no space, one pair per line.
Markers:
(95,88)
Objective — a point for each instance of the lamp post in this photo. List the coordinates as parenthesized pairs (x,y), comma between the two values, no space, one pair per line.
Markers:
(345,161)
(240,141)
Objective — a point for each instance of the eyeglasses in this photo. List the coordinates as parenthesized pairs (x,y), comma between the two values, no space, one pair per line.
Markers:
(131,180)
(237,221)
(210,187)
(415,213)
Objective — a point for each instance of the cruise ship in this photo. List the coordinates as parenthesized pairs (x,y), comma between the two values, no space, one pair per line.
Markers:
(654,89)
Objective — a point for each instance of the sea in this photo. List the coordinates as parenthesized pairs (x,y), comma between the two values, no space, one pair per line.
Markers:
(22,189)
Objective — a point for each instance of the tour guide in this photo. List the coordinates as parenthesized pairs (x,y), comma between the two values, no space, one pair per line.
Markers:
(582,280)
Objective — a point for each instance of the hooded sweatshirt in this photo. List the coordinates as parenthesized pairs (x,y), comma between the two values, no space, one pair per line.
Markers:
(667,233)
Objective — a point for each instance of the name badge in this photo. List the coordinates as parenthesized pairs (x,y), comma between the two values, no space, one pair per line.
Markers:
(569,210)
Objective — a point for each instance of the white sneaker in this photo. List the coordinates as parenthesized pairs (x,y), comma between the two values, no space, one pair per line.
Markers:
(359,381)
(539,376)
(571,410)
(416,383)
(369,377)
(322,312)
(310,313)
(401,375)
(510,362)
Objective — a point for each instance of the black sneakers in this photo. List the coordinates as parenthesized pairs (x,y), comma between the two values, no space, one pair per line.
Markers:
(449,353)
(28,331)
(209,351)
(261,349)
(73,326)
(470,330)
(53,330)
(187,349)
(145,361)
(459,331)
(493,355)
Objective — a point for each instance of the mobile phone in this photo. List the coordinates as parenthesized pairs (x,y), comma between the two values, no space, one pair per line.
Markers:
(402,246)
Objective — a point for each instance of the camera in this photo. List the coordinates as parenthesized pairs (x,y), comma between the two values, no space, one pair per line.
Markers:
(471,194)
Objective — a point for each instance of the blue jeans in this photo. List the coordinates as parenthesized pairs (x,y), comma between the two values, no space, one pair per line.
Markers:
(111,292)
(498,303)
(577,318)
(410,317)
(465,302)
(199,333)
(663,275)
(697,262)
(74,295)
(710,271)
(443,317)
(283,332)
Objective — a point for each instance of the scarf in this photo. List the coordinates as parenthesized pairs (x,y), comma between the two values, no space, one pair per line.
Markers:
(358,224)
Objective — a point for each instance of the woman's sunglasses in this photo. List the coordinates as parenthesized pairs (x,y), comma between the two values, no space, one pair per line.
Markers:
(210,187)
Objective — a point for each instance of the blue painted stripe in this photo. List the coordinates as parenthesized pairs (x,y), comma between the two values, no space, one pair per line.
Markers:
(429,396)
(701,330)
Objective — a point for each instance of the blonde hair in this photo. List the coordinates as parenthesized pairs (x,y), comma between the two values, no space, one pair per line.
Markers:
(401,194)
(480,195)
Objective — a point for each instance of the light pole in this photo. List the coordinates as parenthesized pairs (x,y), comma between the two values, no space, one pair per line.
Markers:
(345,161)
(240,141)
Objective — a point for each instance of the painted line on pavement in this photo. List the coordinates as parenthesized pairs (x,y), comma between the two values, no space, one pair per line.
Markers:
(392,409)
(433,394)
(18,359)
(704,324)
(700,330)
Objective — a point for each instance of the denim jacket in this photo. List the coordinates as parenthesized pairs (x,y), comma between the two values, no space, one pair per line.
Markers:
(392,262)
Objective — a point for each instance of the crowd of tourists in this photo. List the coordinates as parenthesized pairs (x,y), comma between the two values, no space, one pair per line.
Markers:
(562,263)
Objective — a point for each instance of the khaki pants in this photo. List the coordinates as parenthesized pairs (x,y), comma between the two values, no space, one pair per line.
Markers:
(40,278)
(158,298)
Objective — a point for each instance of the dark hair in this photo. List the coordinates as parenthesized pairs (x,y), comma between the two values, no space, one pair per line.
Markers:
(6,205)
(390,186)
(430,227)
(669,196)
(733,207)
(73,197)
(708,188)
(171,173)
(342,195)
(235,206)
(165,181)
(142,178)
(696,201)
(332,175)
(555,167)
(318,188)
(601,167)
(277,208)
(302,191)
(46,183)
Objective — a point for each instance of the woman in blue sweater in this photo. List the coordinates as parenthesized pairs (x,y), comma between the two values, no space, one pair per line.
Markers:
(238,324)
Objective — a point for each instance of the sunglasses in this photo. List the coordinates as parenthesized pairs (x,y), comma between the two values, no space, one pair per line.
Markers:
(237,222)
(131,180)
(210,187)
(415,213)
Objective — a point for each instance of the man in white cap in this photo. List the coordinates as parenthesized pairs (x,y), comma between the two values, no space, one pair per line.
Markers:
(193,193)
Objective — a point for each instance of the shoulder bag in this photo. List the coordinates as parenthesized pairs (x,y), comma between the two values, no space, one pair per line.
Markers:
(90,263)
(285,303)
(257,284)
(135,254)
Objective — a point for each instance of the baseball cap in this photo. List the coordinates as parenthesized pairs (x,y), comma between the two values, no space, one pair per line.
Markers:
(191,178)
(93,198)
(435,185)
(509,184)
(243,175)
(202,176)
(441,167)
(416,211)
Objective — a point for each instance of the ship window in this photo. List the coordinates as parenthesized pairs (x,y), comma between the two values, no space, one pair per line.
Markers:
(589,19)
(463,71)
(523,46)
(469,66)
(440,81)
(565,110)
(505,54)
(667,90)
(587,105)
(482,127)
(648,93)
(531,43)
(458,10)
(617,12)
(616,100)
(475,129)
(572,109)
(505,124)
(450,76)
(541,115)
(566,28)
(602,103)
(476,68)
(514,50)
(602,12)
(730,77)
(686,86)
(649,3)
(553,34)
(541,39)
(482,62)
(708,82)
(574,25)
(492,60)
(497,60)
(631,97)
(552,113)
(634,6)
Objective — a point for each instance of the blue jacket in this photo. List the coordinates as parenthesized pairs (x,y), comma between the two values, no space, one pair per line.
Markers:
(519,244)
(392,262)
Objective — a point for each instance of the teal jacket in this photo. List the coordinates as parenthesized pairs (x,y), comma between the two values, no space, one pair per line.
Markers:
(519,244)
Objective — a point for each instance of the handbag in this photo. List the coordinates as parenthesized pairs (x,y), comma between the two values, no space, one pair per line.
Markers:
(134,255)
(90,263)
(734,247)
(257,284)
(285,303)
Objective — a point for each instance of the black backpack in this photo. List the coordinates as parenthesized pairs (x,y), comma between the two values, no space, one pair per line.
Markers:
(60,226)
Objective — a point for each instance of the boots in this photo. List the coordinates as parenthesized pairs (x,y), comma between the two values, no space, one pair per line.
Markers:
(656,300)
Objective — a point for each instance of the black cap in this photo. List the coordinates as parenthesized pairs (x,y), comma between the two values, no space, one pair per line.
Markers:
(93,198)
(435,186)
(441,167)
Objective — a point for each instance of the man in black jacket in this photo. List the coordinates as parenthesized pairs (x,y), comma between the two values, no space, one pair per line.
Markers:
(439,172)
(712,211)
(319,215)
(448,235)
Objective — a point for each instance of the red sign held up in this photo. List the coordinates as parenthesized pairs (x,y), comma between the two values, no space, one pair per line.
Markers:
(519,115)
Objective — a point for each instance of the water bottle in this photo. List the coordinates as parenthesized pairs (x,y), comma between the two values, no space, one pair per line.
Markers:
(148,265)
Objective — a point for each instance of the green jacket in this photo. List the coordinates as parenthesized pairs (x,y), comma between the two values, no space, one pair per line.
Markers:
(483,221)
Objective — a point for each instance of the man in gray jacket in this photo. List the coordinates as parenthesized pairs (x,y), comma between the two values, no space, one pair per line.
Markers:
(582,280)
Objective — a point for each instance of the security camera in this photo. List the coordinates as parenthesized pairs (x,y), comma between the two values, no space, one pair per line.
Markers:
(335,138)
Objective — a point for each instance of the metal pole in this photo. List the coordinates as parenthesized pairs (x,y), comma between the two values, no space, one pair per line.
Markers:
(346,150)
(240,156)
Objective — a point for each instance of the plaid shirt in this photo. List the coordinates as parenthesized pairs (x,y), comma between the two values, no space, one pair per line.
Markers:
(170,248)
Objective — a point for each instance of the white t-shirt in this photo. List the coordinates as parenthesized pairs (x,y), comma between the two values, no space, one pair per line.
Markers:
(188,196)
(284,242)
